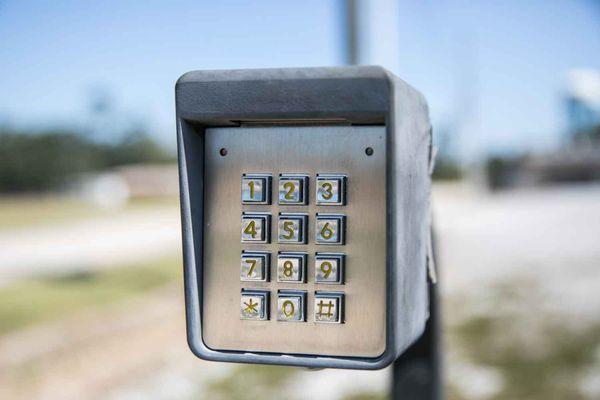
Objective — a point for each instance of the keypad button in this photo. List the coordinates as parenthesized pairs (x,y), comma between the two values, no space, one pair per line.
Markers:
(292,228)
(256,189)
(291,306)
(254,305)
(331,190)
(291,267)
(256,228)
(255,266)
(330,229)
(329,268)
(293,189)
(329,307)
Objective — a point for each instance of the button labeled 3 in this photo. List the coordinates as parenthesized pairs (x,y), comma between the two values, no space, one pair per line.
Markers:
(292,228)
(255,266)
(331,190)
(330,229)
(293,189)
(256,189)
(254,305)
(256,228)
(291,306)
(291,267)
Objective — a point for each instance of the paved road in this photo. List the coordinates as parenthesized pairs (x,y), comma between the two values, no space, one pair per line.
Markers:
(89,244)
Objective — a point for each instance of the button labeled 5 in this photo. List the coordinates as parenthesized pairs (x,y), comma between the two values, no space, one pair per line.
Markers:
(292,228)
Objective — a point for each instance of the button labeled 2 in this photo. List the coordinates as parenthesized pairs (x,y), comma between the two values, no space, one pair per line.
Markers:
(256,228)
(330,229)
(292,228)
(293,189)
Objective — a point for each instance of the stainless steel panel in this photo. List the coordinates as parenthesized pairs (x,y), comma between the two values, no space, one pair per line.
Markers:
(311,151)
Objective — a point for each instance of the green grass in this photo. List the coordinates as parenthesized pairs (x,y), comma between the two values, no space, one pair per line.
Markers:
(252,382)
(500,340)
(22,211)
(30,302)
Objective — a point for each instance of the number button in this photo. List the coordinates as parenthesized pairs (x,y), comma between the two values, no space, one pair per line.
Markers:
(291,267)
(254,305)
(329,268)
(255,266)
(256,189)
(292,189)
(291,306)
(330,229)
(331,190)
(329,307)
(256,228)
(292,228)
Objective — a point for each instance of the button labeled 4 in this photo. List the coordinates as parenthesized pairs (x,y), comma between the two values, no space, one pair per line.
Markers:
(256,228)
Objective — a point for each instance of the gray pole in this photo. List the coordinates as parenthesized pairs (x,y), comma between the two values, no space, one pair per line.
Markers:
(417,373)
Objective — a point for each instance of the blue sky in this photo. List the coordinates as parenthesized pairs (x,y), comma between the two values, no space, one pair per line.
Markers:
(494,72)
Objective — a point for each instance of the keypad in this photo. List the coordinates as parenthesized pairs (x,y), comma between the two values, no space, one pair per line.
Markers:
(292,221)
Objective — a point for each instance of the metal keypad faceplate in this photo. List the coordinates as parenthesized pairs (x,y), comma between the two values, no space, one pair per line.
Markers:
(351,318)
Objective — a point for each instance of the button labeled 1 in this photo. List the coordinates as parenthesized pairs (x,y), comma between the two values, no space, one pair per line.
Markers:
(329,307)
(290,306)
(255,266)
(292,228)
(292,189)
(291,267)
(254,305)
(330,229)
(256,189)
(329,268)
(331,190)
(255,228)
